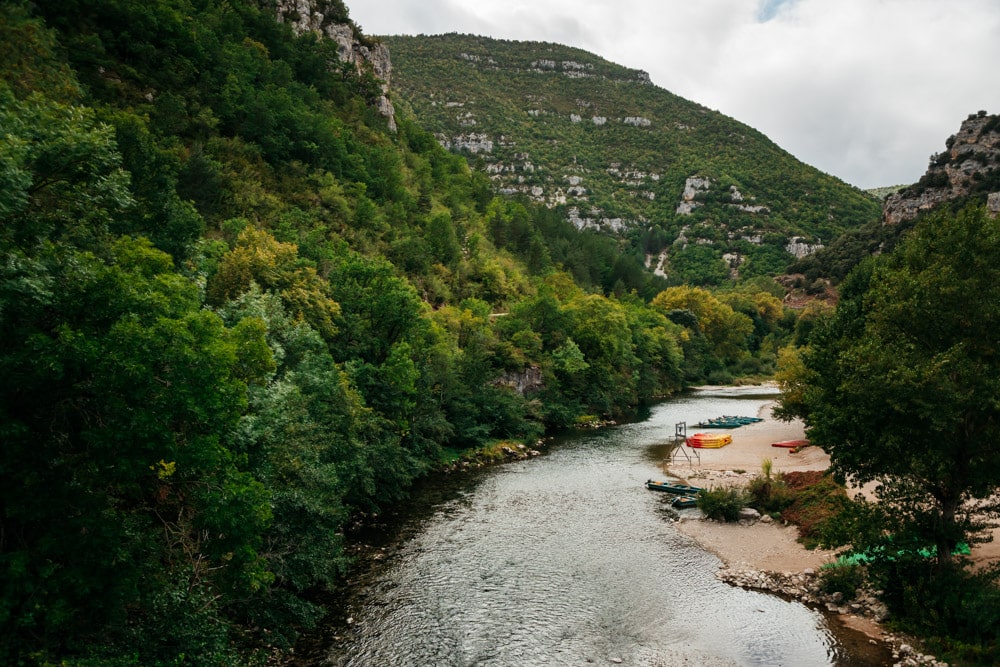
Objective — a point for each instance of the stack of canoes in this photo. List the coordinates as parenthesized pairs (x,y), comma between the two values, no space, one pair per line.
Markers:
(727,421)
(708,440)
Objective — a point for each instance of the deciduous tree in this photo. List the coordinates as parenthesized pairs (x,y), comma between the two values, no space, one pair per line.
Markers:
(901,386)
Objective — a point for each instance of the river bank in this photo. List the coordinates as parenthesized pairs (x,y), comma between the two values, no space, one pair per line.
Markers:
(769,547)
(759,547)
(767,555)
(531,563)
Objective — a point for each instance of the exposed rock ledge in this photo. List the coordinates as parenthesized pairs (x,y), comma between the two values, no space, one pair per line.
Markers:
(970,155)
(308,16)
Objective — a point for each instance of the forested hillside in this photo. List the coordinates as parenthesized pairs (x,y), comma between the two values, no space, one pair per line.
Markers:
(237,307)
(685,185)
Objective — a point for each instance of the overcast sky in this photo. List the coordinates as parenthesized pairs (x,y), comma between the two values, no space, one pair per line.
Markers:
(865,90)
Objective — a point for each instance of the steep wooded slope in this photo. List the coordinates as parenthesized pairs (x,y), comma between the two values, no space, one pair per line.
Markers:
(565,127)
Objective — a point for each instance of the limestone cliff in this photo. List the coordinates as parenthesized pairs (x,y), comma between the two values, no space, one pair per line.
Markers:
(969,169)
(329,19)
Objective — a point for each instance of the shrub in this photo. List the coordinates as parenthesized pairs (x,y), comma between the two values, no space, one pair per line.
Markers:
(722,504)
(769,493)
(956,611)
(844,579)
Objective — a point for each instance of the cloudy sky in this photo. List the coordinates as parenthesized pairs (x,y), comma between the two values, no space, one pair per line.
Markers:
(865,90)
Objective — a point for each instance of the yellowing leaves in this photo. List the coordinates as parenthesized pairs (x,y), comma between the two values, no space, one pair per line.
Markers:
(275,266)
(164,469)
(724,328)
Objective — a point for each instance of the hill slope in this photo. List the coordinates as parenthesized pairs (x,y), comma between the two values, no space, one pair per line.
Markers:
(565,127)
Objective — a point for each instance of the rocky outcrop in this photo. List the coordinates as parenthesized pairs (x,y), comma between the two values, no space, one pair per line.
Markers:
(320,17)
(968,168)
(799,248)
(473,142)
(596,221)
(692,187)
(523,382)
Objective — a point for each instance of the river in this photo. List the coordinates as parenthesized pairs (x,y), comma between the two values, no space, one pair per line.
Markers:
(566,559)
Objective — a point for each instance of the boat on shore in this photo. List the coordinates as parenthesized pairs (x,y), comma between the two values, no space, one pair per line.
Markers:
(683,502)
(728,421)
(708,440)
(675,488)
(791,444)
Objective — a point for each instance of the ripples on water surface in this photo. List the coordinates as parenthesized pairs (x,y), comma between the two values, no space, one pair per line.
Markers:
(567,560)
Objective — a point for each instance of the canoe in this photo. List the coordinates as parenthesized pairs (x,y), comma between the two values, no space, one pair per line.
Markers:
(681,502)
(790,444)
(710,436)
(727,421)
(708,440)
(675,488)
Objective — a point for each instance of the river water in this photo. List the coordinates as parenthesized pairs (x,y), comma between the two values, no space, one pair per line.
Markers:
(567,559)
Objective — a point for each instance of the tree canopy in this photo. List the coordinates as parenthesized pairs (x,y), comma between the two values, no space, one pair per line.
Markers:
(237,309)
(901,385)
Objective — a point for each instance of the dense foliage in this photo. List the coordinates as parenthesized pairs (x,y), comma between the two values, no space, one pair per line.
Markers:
(615,152)
(899,385)
(236,308)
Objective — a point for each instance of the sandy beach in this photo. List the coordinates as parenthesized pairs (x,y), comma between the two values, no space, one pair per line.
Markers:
(762,546)
(769,546)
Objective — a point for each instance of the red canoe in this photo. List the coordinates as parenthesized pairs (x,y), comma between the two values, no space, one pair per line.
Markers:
(790,444)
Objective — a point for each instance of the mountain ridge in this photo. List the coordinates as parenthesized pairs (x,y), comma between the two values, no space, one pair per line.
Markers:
(567,128)
(965,170)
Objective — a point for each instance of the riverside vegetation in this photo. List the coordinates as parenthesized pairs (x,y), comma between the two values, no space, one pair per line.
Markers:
(899,386)
(237,308)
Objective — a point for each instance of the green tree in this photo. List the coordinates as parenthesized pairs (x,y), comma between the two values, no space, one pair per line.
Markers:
(61,176)
(258,258)
(125,515)
(900,386)
(727,331)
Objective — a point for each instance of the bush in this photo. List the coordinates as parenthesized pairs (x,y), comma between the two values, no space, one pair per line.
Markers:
(844,579)
(768,493)
(956,611)
(722,504)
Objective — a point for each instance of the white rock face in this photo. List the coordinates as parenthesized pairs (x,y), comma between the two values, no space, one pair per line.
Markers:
(306,16)
(692,187)
(473,142)
(971,153)
(798,247)
(600,223)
